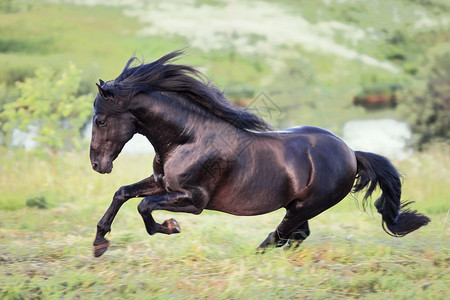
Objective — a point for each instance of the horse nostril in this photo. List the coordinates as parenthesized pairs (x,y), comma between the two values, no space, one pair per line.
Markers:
(94,165)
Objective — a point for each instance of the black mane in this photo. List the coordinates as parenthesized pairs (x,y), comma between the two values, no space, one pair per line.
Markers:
(163,76)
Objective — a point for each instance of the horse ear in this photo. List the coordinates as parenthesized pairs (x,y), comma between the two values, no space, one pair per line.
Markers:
(101,82)
(100,90)
(104,93)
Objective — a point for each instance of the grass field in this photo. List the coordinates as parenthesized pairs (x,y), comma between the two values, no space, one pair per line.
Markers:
(50,203)
(46,253)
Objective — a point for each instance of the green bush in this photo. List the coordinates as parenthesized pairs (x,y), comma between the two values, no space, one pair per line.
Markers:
(429,101)
(38,202)
(54,104)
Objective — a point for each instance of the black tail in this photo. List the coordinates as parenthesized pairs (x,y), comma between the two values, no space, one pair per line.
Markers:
(375,169)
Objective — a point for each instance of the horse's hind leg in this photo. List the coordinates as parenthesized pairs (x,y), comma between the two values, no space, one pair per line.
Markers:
(314,201)
(294,226)
(293,241)
(287,228)
(298,236)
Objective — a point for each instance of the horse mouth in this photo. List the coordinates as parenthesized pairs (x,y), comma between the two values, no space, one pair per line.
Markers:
(105,171)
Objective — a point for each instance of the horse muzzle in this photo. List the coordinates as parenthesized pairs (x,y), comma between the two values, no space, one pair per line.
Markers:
(105,168)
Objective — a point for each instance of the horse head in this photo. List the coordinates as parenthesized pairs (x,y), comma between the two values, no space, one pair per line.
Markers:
(112,127)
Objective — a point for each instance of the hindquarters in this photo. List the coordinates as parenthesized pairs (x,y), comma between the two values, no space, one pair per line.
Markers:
(332,171)
(331,174)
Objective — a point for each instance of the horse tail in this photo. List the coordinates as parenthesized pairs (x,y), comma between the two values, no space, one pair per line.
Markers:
(397,219)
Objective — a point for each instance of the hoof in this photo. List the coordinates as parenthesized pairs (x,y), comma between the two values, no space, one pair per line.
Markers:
(172,226)
(100,249)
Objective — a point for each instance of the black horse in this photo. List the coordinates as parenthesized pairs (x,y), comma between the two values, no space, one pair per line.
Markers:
(210,154)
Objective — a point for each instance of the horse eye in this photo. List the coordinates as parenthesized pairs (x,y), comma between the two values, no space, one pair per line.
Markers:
(100,122)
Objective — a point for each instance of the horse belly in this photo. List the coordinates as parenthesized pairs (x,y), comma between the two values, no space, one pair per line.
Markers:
(268,188)
(243,204)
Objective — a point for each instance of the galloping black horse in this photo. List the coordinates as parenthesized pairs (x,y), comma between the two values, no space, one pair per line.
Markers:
(210,154)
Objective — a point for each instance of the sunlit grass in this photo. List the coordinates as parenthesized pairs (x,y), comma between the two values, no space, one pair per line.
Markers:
(427,179)
(46,253)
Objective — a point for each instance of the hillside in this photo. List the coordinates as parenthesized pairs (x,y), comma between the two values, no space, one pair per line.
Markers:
(310,58)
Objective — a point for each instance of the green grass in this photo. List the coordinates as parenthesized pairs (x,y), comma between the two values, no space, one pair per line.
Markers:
(97,39)
(46,253)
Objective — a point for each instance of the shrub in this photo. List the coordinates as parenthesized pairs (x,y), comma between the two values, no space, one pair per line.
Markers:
(53,103)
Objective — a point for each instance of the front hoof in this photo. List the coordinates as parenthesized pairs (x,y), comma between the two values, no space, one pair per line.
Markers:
(100,249)
(172,226)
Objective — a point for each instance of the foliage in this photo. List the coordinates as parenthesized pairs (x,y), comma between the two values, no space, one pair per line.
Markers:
(51,102)
(12,6)
(38,202)
(429,102)
(314,87)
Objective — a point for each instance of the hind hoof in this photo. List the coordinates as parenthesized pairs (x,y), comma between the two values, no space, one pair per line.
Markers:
(100,249)
(260,250)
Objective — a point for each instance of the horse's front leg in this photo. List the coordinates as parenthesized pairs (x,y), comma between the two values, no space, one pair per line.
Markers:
(176,202)
(148,186)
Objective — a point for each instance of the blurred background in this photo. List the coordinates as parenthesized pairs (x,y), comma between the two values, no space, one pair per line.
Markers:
(321,63)
(376,73)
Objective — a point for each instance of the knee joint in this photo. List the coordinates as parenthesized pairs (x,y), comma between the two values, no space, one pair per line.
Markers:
(120,195)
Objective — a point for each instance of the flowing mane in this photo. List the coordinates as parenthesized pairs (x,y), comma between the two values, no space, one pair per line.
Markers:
(164,76)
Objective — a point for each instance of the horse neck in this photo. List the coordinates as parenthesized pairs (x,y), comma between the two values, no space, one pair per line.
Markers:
(169,121)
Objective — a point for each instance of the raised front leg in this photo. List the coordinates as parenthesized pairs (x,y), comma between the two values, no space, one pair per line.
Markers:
(146,187)
(177,202)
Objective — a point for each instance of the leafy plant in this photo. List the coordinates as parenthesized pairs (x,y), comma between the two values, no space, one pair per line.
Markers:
(38,202)
(51,102)
(429,102)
